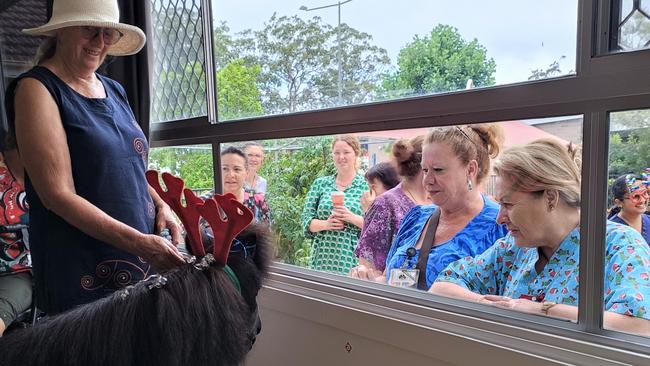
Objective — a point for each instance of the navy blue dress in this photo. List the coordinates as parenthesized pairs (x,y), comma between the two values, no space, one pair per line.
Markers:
(108,152)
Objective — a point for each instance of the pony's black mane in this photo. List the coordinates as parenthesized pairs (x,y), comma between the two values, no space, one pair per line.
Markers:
(197,317)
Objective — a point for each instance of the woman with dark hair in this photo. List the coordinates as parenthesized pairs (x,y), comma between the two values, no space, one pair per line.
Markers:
(535,268)
(384,217)
(462,221)
(381,178)
(234,169)
(630,195)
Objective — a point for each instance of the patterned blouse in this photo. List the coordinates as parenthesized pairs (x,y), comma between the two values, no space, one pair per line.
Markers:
(507,270)
(479,234)
(333,250)
(645,225)
(381,224)
(14,252)
(256,202)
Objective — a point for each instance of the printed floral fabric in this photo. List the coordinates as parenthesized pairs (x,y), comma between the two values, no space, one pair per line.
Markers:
(505,269)
(333,250)
(14,252)
(381,224)
(479,234)
(645,226)
(256,202)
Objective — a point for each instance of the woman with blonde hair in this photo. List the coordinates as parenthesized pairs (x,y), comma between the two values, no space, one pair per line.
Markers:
(461,221)
(385,215)
(534,268)
(334,221)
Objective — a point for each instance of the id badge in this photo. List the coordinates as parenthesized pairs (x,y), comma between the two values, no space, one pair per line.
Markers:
(404,277)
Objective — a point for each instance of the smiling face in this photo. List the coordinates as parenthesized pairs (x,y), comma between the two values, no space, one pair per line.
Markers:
(523,213)
(344,156)
(255,157)
(82,53)
(636,201)
(233,173)
(444,175)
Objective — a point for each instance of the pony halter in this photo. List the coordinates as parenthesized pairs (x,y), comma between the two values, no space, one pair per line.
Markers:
(225,214)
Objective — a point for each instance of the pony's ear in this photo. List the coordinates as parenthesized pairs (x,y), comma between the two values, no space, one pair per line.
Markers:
(260,236)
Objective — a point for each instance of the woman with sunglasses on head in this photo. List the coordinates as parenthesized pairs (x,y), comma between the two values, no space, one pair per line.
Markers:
(630,204)
(92,214)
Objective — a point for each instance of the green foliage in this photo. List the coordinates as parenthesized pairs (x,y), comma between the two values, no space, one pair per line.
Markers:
(440,62)
(629,148)
(300,60)
(238,94)
(193,164)
(290,174)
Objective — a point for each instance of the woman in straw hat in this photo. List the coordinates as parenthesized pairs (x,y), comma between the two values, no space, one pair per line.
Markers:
(92,213)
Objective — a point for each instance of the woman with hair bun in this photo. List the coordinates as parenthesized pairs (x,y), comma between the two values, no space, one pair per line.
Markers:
(631,202)
(535,268)
(462,221)
(385,215)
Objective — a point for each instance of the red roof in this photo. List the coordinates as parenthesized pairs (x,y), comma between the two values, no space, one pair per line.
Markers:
(516,133)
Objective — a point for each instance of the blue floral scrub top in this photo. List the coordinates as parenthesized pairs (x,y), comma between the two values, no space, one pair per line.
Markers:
(507,270)
(645,225)
(477,236)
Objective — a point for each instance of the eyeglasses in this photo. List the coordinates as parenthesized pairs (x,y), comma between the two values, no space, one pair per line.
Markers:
(638,197)
(111,35)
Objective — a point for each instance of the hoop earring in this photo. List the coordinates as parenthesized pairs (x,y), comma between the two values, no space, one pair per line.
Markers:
(469,184)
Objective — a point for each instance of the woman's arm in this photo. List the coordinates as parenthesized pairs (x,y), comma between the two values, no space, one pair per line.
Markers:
(165,218)
(450,289)
(44,151)
(344,214)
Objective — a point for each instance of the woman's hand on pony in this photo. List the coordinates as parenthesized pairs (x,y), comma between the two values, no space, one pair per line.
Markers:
(160,253)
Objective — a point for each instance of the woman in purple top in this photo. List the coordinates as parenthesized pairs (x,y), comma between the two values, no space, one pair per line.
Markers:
(385,215)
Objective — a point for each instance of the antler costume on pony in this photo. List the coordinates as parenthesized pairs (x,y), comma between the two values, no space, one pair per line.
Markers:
(203,312)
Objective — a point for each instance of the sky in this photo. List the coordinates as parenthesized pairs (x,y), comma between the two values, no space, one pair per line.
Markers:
(520,35)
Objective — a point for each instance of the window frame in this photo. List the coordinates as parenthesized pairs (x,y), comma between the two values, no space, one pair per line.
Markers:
(603,83)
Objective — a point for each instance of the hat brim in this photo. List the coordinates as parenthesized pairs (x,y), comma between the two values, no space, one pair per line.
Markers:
(132,41)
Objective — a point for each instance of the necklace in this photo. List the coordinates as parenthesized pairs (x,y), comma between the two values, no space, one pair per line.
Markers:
(341,186)
(410,195)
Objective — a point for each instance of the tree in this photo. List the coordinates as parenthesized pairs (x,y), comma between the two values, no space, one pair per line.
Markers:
(237,93)
(299,64)
(290,173)
(440,62)
(192,163)
(629,147)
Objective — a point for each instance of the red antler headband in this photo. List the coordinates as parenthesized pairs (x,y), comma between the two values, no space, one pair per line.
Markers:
(227,216)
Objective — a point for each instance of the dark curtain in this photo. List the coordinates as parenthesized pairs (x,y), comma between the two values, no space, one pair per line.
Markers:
(133,71)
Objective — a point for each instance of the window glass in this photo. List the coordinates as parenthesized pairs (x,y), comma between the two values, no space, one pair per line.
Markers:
(631,22)
(303,175)
(18,49)
(627,256)
(191,163)
(282,57)
(178,80)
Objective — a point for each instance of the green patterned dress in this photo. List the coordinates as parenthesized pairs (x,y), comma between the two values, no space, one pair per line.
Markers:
(333,250)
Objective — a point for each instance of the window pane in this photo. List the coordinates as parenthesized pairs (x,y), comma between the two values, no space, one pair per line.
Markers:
(302,173)
(631,26)
(627,256)
(282,57)
(178,82)
(19,49)
(191,163)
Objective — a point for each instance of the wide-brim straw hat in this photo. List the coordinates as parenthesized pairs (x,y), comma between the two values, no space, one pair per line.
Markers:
(94,13)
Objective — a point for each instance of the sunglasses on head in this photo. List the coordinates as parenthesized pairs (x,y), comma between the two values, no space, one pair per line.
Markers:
(111,35)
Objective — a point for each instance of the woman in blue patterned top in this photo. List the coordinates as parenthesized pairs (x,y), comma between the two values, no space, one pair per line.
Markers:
(534,269)
(455,160)
(631,202)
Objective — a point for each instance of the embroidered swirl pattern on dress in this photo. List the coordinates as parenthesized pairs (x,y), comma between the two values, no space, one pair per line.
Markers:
(114,274)
(140,146)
